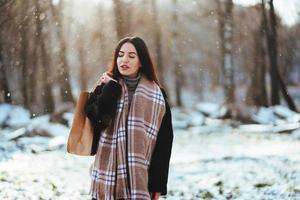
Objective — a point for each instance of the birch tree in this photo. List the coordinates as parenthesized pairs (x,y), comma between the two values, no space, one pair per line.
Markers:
(175,54)
(225,19)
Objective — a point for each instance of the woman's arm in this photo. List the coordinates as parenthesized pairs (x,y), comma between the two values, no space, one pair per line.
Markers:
(102,101)
(159,165)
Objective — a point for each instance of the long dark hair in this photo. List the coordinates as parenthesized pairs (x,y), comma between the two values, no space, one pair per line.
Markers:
(147,66)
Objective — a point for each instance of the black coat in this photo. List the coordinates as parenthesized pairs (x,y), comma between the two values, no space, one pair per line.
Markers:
(101,108)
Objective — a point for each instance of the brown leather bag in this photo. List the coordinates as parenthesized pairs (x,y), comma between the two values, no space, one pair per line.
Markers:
(81,134)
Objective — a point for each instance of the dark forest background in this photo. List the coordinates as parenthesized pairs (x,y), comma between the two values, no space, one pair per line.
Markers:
(205,50)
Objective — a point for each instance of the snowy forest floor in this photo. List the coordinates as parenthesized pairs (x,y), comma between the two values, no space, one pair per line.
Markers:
(231,165)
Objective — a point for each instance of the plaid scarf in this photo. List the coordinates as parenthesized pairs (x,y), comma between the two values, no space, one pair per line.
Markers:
(120,169)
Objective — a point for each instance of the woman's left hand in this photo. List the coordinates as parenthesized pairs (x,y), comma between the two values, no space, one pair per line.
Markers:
(155,195)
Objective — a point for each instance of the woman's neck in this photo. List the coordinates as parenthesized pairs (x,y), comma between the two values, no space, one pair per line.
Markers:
(138,76)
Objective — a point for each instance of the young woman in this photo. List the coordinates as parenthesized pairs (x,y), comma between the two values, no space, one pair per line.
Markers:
(134,149)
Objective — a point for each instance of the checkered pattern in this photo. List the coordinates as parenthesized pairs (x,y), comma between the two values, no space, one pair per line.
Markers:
(108,140)
(139,194)
(126,148)
(106,177)
(136,160)
(122,173)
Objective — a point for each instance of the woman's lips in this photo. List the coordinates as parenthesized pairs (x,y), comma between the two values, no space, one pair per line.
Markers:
(124,67)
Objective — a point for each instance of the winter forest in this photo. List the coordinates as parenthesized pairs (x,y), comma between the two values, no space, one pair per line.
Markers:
(231,71)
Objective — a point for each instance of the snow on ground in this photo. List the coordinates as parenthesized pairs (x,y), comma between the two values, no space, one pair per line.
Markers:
(210,160)
(203,166)
(235,166)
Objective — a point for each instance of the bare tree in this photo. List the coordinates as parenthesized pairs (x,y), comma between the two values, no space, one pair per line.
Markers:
(5,16)
(82,68)
(122,12)
(175,54)
(47,92)
(276,79)
(258,91)
(24,50)
(225,19)
(158,46)
(63,72)
(270,27)
(3,77)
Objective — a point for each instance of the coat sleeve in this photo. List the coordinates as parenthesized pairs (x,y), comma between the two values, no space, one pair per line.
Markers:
(103,101)
(159,165)
(100,108)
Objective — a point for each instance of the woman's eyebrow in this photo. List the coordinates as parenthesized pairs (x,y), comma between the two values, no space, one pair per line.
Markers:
(132,52)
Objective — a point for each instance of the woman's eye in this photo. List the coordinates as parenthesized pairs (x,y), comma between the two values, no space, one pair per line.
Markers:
(131,56)
(120,54)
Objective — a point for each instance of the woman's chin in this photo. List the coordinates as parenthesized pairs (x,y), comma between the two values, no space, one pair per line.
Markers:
(127,74)
(124,74)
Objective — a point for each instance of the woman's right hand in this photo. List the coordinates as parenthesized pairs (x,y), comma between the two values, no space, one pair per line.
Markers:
(105,78)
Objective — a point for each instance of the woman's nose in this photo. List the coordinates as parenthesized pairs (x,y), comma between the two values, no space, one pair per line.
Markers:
(125,58)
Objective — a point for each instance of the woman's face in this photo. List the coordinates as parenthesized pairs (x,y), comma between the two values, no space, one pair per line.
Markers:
(128,61)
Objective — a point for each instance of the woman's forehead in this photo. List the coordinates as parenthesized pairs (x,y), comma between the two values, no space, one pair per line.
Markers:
(128,47)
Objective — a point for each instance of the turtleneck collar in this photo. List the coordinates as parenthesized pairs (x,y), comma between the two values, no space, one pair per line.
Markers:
(126,78)
(131,84)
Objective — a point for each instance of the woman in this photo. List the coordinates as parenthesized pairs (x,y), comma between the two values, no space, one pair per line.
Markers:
(133,153)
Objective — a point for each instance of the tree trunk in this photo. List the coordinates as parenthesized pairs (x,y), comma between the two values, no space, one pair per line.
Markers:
(63,72)
(259,93)
(33,68)
(175,55)
(285,93)
(158,46)
(226,37)
(276,79)
(122,12)
(82,68)
(47,92)
(3,77)
(5,7)
(270,27)
(24,47)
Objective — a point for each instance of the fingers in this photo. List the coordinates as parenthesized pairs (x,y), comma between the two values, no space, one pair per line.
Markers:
(105,78)
(108,77)
(156,195)
(109,73)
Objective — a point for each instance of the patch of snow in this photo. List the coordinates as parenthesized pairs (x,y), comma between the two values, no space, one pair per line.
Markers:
(4,110)
(286,113)
(196,119)
(276,115)
(286,127)
(296,134)
(69,117)
(42,124)
(57,142)
(265,116)
(15,134)
(33,144)
(255,128)
(208,108)
(14,116)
